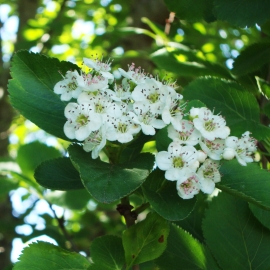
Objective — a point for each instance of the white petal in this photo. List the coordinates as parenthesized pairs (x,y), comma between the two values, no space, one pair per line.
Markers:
(229,153)
(69,130)
(163,160)
(82,133)
(172,174)
(207,186)
(147,130)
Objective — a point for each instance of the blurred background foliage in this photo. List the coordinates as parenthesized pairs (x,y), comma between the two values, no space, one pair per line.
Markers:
(139,31)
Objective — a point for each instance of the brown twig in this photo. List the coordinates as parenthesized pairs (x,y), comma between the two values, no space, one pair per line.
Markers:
(169,22)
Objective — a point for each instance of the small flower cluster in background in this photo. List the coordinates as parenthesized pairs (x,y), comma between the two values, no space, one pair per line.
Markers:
(142,103)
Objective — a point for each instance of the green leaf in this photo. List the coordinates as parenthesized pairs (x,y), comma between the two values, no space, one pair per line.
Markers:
(167,58)
(162,139)
(109,182)
(107,253)
(44,256)
(249,182)
(252,59)
(183,249)
(6,185)
(145,240)
(195,104)
(32,154)
(242,13)
(71,199)
(163,197)
(58,174)
(264,87)
(239,107)
(191,10)
(261,214)
(31,90)
(193,222)
(157,30)
(132,150)
(266,110)
(237,240)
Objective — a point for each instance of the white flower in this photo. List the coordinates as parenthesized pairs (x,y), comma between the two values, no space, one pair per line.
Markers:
(92,83)
(187,134)
(177,160)
(96,141)
(208,175)
(214,149)
(152,93)
(120,93)
(80,121)
(100,104)
(146,119)
(122,129)
(250,141)
(242,148)
(136,75)
(101,67)
(68,88)
(172,111)
(188,185)
(211,126)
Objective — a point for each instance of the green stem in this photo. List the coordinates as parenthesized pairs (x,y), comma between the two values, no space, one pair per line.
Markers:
(141,208)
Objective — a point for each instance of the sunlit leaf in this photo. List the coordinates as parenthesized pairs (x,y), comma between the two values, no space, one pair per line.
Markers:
(264,87)
(190,65)
(44,256)
(31,90)
(32,154)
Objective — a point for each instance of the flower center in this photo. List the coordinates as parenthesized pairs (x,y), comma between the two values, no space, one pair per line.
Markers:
(82,120)
(186,185)
(209,125)
(208,173)
(122,127)
(72,86)
(99,108)
(178,162)
(154,97)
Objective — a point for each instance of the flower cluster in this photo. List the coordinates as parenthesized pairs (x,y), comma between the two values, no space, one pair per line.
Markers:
(193,169)
(101,110)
